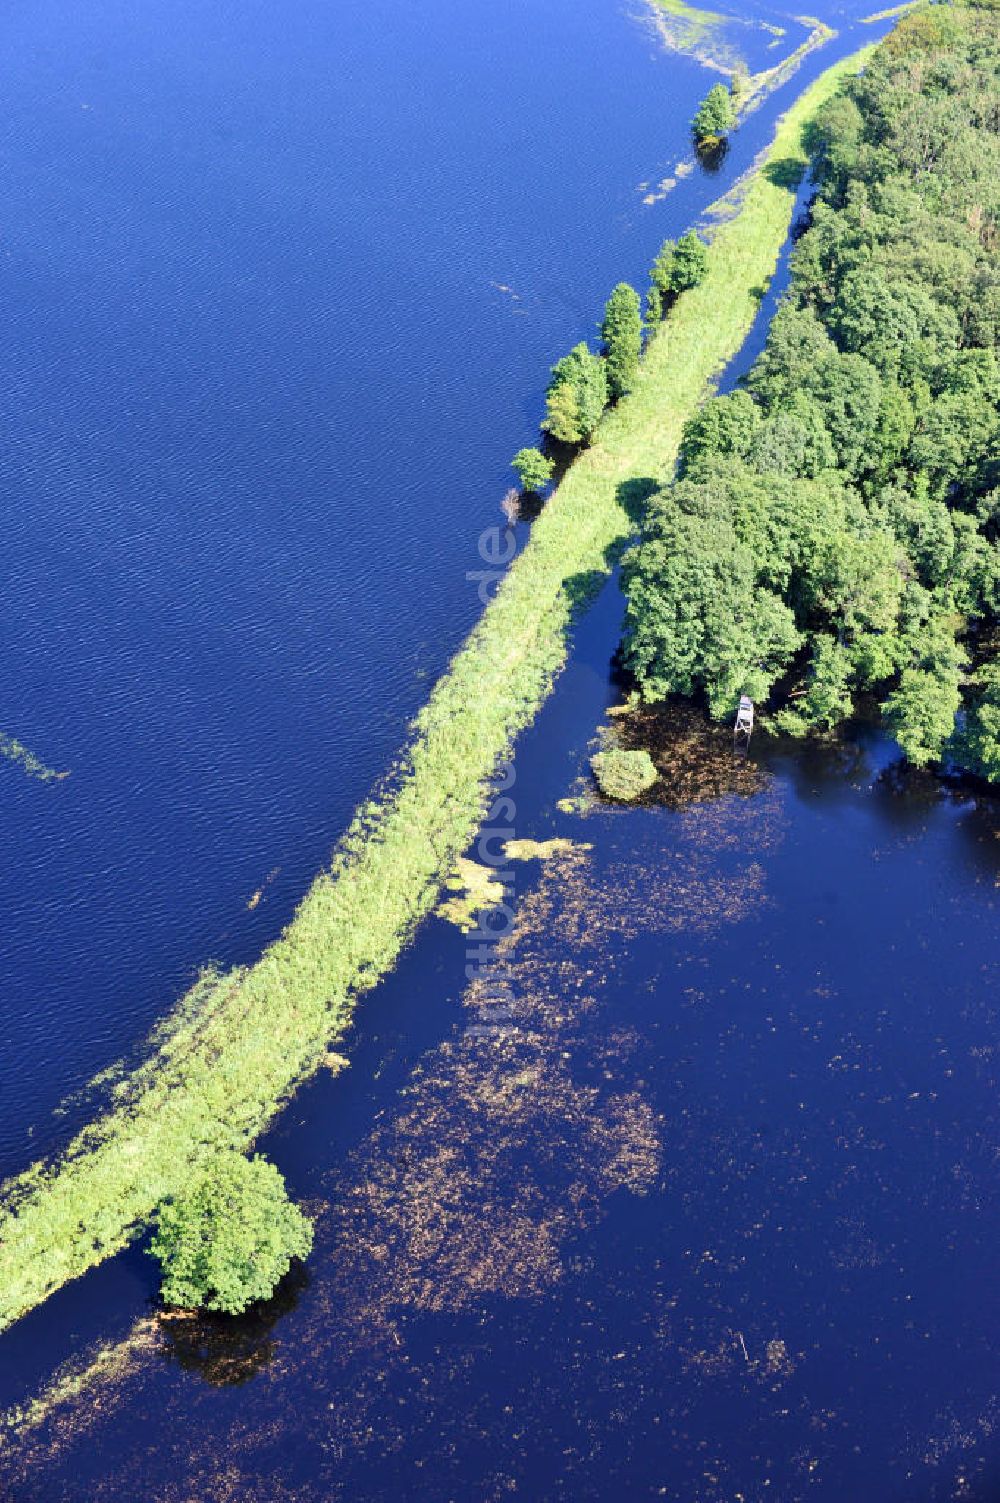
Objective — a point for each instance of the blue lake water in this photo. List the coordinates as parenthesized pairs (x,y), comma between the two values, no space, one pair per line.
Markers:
(261,385)
(260,389)
(282,286)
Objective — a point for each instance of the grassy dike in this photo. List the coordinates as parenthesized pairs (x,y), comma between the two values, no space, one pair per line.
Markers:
(240,1043)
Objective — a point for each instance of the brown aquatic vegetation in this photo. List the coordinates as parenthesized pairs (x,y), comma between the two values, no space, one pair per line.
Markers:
(693,754)
(475,1187)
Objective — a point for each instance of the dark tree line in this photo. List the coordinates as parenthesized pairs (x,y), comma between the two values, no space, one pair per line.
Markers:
(838,517)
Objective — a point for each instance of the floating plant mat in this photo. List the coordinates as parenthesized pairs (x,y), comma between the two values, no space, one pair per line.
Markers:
(12,750)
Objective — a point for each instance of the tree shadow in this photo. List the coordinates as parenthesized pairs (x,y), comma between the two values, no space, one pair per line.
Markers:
(227,1350)
(712,153)
(634,497)
(785,173)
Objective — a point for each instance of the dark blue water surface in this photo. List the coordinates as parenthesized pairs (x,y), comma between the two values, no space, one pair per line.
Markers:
(719,1223)
(260,387)
(260,390)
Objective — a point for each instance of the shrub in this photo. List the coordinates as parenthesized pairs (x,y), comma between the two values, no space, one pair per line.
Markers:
(229,1239)
(623,775)
(533,469)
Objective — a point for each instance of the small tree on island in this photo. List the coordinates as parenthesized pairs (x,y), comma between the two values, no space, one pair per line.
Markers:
(533,469)
(230,1238)
(577,396)
(715,116)
(621,330)
(677,268)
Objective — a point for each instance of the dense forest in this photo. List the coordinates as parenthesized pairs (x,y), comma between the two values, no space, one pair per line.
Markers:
(832,531)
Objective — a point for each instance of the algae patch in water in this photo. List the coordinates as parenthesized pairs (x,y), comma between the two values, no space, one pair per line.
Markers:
(543,850)
(475,888)
(12,750)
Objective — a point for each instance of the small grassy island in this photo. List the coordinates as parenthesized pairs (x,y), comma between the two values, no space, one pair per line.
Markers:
(240,1043)
(833,528)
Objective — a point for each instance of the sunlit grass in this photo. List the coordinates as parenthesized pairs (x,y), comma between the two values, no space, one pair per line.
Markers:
(239,1044)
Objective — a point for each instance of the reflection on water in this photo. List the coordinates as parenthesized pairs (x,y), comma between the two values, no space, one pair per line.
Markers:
(227,1350)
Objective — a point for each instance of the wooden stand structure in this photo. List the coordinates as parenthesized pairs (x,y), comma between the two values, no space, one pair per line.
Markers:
(743,729)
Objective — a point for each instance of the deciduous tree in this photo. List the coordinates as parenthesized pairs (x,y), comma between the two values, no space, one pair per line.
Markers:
(621,331)
(533,469)
(230,1237)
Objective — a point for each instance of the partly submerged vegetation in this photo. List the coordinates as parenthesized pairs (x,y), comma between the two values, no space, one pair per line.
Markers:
(705,35)
(534,469)
(714,117)
(837,518)
(241,1042)
(624,775)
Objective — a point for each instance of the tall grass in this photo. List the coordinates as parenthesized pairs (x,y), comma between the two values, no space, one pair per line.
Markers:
(240,1043)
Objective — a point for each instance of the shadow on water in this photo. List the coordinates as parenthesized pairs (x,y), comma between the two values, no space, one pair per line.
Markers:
(712,155)
(227,1350)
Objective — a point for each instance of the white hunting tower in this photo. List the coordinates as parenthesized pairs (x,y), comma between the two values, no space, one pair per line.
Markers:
(743,729)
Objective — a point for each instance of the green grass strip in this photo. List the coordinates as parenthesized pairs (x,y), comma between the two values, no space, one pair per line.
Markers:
(239,1044)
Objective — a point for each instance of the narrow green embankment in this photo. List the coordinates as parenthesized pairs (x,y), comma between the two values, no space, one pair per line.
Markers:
(241,1043)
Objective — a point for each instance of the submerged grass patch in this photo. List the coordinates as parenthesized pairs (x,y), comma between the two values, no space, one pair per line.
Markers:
(235,1050)
(685,26)
(890,13)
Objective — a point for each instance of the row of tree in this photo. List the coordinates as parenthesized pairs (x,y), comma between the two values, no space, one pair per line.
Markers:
(583,383)
(835,525)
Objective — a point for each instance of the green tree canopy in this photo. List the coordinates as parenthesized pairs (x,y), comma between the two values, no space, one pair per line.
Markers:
(678,266)
(577,396)
(230,1239)
(621,330)
(715,115)
(533,469)
(847,498)
(978,745)
(696,619)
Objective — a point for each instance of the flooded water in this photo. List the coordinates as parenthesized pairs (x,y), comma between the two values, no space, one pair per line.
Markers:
(714,1216)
